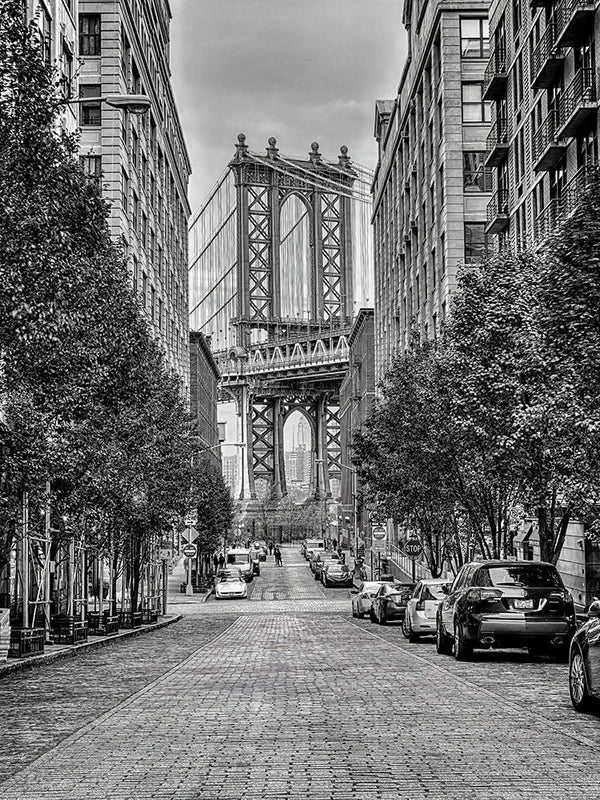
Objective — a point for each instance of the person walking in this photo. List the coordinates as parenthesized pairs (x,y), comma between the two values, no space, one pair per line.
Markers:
(215,561)
(270,548)
(278,559)
(221,561)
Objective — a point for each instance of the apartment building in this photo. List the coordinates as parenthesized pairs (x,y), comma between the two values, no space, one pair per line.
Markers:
(431,186)
(140,161)
(543,81)
(58,24)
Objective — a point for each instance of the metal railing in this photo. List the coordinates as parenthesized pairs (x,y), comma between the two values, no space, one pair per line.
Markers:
(496,67)
(567,14)
(545,134)
(545,49)
(498,205)
(581,91)
(559,207)
(498,134)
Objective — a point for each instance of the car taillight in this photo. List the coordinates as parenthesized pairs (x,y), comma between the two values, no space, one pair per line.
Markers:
(483,595)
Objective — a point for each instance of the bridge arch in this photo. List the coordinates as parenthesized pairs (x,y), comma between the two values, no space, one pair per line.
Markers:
(296,262)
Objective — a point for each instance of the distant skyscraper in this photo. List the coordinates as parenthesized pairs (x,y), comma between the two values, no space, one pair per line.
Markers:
(230,471)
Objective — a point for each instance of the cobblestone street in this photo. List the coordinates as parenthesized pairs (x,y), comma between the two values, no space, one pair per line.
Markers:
(286,696)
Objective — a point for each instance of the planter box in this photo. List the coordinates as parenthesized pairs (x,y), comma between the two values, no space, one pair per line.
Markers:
(26,642)
(130,619)
(4,634)
(68,630)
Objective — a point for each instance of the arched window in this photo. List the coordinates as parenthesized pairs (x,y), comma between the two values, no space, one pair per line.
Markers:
(295,259)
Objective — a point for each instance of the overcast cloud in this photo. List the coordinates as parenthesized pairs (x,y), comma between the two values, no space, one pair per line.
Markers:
(299,70)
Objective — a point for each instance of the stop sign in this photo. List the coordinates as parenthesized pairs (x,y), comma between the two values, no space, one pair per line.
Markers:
(189,550)
(413,548)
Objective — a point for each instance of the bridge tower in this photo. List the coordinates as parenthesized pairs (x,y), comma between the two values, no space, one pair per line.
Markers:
(288,342)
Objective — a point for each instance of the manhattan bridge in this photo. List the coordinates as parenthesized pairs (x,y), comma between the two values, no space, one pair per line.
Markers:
(280,265)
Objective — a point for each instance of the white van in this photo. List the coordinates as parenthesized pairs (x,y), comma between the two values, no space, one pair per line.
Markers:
(311,545)
(242,559)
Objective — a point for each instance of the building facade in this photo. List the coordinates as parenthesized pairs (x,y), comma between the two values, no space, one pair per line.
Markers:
(357,395)
(58,24)
(431,186)
(543,81)
(204,383)
(140,161)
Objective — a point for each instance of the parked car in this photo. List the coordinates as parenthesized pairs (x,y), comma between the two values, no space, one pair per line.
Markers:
(584,662)
(421,609)
(337,574)
(506,604)
(319,559)
(390,602)
(361,603)
(231,586)
(240,557)
(259,551)
(311,545)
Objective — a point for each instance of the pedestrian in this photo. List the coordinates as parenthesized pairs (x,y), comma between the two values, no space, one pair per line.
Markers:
(334,543)
(270,548)
(221,561)
(278,560)
(215,561)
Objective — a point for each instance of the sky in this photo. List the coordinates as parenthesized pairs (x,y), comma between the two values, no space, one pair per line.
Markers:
(298,70)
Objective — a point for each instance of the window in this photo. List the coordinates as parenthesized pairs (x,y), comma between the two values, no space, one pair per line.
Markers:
(476,178)
(517,16)
(124,192)
(474,38)
(89,35)
(46,32)
(136,212)
(134,269)
(474,108)
(66,78)
(135,143)
(152,303)
(91,113)
(92,166)
(144,289)
(441,194)
(476,243)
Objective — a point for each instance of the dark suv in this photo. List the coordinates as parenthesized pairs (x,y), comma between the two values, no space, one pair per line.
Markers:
(506,604)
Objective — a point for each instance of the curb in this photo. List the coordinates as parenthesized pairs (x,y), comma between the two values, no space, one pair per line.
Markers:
(72,650)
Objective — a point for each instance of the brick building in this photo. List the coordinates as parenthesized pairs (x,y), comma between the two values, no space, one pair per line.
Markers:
(204,381)
(431,188)
(141,161)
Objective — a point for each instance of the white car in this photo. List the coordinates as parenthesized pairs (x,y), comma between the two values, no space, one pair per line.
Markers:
(421,610)
(361,603)
(231,586)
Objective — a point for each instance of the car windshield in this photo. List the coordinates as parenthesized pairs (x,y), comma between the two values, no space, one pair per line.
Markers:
(237,558)
(336,567)
(522,575)
(229,579)
(432,592)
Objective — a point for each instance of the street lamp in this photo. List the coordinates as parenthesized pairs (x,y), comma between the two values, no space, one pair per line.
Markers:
(133,103)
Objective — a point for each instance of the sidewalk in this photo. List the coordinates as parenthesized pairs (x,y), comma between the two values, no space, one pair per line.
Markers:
(56,652)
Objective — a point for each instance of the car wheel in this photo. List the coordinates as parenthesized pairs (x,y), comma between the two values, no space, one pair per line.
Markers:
(463,650)
(361,615)
(578,689)
(382,619)
(354,614)
(407,630)
(443,644)
(372,616)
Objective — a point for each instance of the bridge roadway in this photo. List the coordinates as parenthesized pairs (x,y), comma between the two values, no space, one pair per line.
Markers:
(286,696)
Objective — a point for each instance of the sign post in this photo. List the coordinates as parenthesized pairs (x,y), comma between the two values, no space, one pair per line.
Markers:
(189,551)
(413,549)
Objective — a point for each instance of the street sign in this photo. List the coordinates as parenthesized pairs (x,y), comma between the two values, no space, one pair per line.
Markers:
(413,548)
(189,534)
(379,532)
(191,519)
(378,546)
(189,550)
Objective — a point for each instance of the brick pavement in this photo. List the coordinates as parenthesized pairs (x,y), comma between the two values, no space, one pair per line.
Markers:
(295,705)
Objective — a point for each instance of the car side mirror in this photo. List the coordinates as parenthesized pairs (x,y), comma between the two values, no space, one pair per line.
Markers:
(594,609)
(445,588)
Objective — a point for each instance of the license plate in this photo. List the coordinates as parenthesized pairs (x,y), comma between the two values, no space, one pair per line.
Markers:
(523,603)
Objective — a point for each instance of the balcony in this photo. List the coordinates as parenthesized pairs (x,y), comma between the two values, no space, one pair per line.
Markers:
(574,21)
(497,212)
(495,75)
(547,149)
(559,207)
(547,59)
(578,103)
(546,220)
(496,144)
